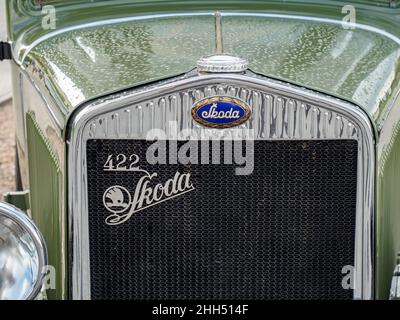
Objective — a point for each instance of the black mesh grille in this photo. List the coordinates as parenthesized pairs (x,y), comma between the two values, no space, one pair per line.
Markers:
(283,232)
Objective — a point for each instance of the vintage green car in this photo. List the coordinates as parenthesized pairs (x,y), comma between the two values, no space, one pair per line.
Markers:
(214,150)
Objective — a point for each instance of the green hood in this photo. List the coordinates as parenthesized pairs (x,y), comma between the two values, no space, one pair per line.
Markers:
(84,62)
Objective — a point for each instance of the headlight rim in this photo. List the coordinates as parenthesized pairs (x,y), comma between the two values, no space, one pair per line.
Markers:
(21,219)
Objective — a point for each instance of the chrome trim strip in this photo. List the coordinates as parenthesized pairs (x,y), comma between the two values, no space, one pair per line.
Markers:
(395,286)
(280,111)
(219,44)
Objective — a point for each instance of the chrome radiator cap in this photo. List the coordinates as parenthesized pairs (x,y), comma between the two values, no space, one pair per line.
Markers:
(222,63)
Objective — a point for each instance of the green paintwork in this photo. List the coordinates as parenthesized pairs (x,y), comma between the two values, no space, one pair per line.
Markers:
(356,65)
(298,51)
(26,15)
(128,54)
(19,199)
(388,201)
(360,65)
(388,217)
(45,182)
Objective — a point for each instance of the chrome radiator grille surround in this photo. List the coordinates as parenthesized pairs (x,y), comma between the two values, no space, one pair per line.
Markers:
(279,112)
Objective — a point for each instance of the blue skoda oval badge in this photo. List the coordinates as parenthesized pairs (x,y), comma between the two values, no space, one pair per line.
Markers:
(221,112)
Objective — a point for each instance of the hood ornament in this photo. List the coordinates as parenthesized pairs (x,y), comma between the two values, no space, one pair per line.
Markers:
(222,63)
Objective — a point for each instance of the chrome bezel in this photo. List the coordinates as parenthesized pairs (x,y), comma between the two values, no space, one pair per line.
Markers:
(90,121)
(205,101)
(25,223)
(222,63)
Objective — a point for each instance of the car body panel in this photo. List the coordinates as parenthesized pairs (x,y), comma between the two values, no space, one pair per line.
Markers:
(46,183)
(87,63)
(374,43)
(26,16)
(358,65)
(299,51)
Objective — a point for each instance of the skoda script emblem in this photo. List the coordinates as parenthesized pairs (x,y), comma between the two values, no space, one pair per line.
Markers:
(149,191)
(221,112)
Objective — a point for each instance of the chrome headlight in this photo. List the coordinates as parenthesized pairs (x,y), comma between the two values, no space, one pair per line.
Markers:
(23,255)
